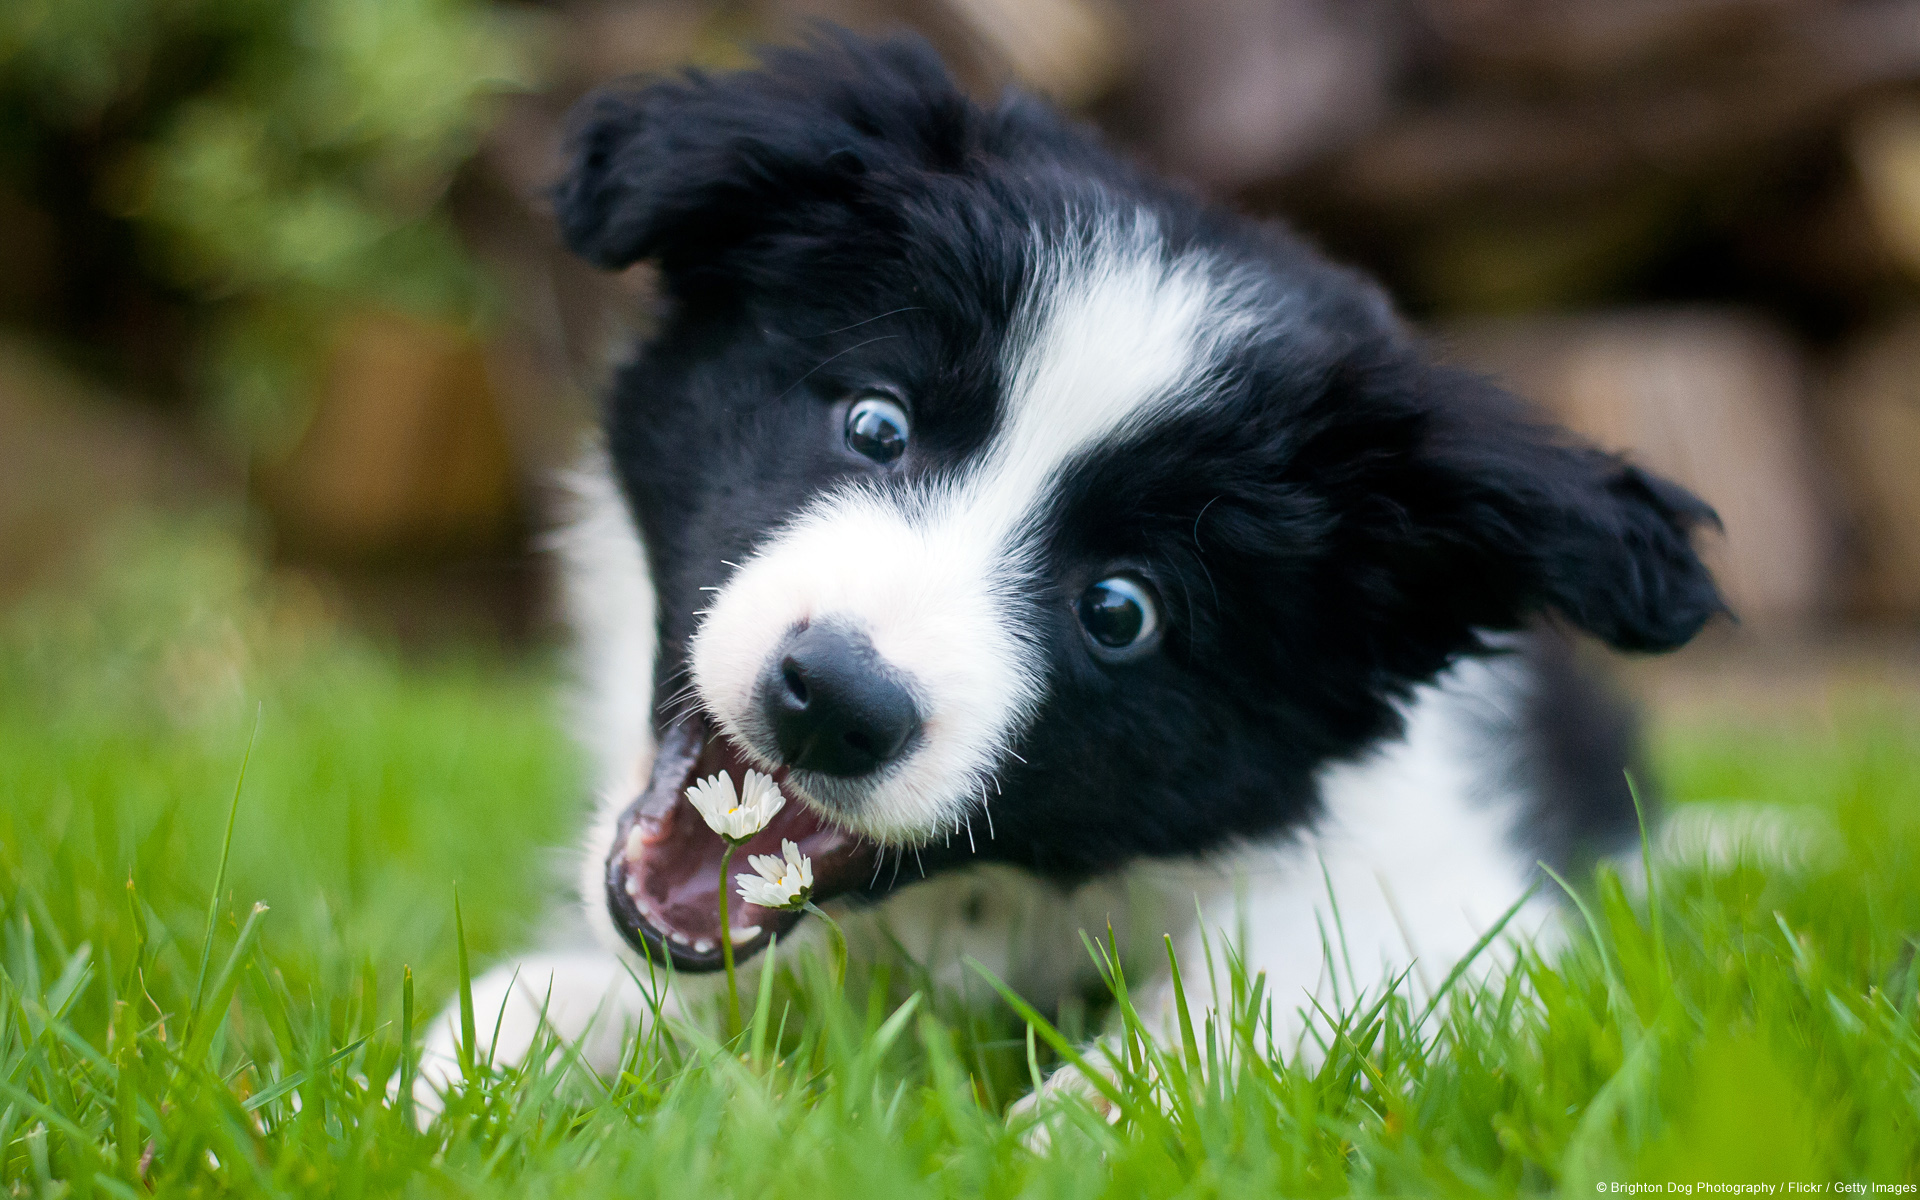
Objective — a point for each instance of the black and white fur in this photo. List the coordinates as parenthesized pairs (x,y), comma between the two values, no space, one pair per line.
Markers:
(1355,551)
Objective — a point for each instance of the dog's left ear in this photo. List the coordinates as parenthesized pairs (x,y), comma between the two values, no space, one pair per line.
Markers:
(1525,520)
(684,170)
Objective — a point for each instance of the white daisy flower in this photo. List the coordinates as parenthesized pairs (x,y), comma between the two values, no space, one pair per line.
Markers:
(785,881)
(736,816)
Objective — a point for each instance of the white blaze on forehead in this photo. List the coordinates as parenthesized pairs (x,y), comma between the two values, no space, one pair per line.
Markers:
(1111,333)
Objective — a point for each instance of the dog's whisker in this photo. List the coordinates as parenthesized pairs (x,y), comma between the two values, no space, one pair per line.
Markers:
(680,693)
(829,358)
(1196,523)
(680,707)
(892,312)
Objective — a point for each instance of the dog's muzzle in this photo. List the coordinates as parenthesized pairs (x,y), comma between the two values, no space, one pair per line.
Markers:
(663,872)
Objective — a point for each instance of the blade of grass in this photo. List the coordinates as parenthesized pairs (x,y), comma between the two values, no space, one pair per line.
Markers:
(406,1044)
(1033,1061)
(763,1004)
(200,1036)
(268,1095)
(464,1050)
(882,1041)
(126,1110)
(220,875)
(1339,926)
(500,1017)
(1061,1045)
(1189,1044)
(1653,888)
(1593,928)
(1460,968)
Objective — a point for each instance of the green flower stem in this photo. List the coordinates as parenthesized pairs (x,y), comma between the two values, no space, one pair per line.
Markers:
(837,939)
(726,947)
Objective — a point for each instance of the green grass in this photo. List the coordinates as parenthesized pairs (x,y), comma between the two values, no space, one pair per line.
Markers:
(1760,1026)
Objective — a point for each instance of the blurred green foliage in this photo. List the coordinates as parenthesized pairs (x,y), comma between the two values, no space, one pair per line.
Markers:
(137,680)
(279,160)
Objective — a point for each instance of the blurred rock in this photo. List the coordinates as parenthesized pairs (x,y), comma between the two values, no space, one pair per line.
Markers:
(1679,95)
(1871,419)
(1711,399)
(1886,149)
(72,459)
(406,453)
(1569,254)
(1234,91)
(1071,50)
(1547,40)
(605,41)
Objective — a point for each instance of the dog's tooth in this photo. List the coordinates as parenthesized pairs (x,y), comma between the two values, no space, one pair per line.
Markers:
(679,938)
(651,830)
(633,888)
(742,934)
(703,946)
(635,843)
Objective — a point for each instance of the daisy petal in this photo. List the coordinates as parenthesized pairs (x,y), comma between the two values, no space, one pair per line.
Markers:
(784,882)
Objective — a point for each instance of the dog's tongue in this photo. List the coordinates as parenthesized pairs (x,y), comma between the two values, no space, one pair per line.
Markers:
(663,872)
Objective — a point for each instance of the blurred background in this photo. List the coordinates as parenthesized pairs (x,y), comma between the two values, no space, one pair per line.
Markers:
(288,262)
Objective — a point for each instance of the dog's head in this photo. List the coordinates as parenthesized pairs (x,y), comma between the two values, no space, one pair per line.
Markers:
(1007,504)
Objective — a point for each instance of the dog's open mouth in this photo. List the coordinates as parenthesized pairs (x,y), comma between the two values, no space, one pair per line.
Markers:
(663,873)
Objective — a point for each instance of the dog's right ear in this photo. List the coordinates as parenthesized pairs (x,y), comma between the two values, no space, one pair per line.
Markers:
(682,172)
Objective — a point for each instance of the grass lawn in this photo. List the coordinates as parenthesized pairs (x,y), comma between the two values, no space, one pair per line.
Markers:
(1749,1025)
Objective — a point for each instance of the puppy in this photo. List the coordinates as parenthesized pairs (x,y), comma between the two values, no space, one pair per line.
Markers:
(1071,552)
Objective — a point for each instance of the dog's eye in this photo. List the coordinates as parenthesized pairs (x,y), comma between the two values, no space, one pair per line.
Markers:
(877,427)
(1119,615)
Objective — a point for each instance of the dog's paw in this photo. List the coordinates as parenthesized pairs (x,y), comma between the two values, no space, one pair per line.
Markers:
(1721,835)
(588,1001)
(1041,1113)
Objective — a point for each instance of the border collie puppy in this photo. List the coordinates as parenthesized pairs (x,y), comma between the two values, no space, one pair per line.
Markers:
(1070,552)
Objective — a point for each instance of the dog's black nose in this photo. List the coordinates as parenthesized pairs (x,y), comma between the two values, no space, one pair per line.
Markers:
(835,705)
